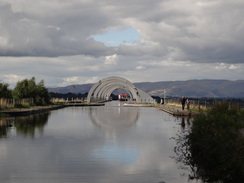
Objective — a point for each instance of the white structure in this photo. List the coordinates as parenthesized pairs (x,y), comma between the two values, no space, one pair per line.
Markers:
(102,90)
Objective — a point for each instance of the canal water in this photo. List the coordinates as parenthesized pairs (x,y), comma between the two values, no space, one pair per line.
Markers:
(105,144)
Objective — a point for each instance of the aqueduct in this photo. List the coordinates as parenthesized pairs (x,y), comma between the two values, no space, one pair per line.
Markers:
(102,90)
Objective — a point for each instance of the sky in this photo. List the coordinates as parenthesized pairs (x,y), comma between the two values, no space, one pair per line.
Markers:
(83,41)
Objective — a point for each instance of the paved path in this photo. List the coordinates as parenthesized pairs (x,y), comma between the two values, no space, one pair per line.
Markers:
(176,111)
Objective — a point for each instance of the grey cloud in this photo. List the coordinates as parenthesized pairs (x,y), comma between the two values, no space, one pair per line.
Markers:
(35,36)
(203,31)
(188,30)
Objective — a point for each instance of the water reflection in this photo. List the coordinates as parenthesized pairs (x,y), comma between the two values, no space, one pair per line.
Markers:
(185,122)
(113,118)
(29,125)
(5,124)
(24,125)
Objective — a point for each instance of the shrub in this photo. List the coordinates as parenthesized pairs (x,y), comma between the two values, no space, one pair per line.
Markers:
(216,144)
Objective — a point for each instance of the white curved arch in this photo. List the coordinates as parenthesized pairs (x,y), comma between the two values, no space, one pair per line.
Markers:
(107,92)
(108,89)
(101,90)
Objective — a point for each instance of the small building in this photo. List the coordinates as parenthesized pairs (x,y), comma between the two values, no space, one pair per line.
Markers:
(123,97)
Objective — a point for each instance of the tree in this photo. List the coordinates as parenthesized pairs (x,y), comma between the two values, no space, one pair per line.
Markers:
(4,91)
(42,95)
(29,89)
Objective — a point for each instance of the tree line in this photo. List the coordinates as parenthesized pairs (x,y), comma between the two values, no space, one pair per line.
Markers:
(27,88)
(68,96)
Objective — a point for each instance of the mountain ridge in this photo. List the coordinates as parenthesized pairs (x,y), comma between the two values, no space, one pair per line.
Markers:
(190,88)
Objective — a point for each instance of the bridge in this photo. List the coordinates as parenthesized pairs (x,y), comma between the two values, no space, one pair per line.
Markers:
(102,90)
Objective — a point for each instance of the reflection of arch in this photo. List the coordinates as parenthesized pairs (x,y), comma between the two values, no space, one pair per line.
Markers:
(114,118)
(102,90)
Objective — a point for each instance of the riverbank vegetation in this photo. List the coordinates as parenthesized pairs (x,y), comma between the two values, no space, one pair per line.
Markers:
(214,147)
(25,94)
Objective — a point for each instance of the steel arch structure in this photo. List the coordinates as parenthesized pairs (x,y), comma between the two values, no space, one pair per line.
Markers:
(102,90)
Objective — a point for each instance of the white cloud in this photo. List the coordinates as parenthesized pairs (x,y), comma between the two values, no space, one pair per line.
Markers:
(12,79)
(92,80)
(233,67)
(71,80)
(112,59)
(140,67)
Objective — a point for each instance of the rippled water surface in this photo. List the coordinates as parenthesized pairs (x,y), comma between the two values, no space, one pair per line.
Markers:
(92,144)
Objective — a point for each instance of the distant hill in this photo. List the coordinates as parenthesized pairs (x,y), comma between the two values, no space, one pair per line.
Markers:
(189,88)
(83,88)
(196,88)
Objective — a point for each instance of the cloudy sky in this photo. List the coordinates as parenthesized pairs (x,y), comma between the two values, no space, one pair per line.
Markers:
(68,42)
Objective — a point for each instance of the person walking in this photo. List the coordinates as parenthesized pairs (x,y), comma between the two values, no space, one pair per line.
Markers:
(183,102)
(188,104)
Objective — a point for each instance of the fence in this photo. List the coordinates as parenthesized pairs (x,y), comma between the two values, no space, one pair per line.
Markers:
(10,102)
(72,100)
(203,104)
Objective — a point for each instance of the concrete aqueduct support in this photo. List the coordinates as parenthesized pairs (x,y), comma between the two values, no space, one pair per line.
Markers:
(102,90)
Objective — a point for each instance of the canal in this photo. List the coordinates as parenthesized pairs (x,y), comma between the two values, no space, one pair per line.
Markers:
(104,144)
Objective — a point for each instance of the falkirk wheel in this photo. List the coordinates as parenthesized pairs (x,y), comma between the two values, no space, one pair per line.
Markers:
(102,90)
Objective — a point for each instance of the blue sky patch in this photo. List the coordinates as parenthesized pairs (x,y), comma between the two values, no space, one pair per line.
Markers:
(118,37)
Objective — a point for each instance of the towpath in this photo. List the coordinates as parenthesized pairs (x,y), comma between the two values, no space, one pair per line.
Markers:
(176,111)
